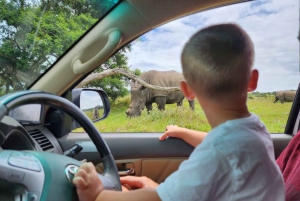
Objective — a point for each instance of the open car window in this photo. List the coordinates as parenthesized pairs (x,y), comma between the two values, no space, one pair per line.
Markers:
(273,27)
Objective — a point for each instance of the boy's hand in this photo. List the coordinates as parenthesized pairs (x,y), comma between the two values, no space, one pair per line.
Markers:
(171,131)
(133,182)
(87,182)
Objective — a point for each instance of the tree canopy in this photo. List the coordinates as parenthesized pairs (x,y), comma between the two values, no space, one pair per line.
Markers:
(35,33)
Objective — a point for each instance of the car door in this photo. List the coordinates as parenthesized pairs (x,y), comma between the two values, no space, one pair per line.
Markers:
(137,149)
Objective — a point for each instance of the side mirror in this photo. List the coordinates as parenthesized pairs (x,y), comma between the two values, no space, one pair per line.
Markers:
(93,102)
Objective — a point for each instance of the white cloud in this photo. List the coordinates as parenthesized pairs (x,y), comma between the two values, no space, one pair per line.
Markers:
(273,26)
(90,99)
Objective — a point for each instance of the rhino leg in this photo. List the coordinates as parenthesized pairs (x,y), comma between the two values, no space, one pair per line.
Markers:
(192,104)
(179,103)
(281,100)
(149,107)
(161,102)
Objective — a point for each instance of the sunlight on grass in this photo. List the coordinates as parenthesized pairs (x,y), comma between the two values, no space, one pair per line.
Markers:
(273,115)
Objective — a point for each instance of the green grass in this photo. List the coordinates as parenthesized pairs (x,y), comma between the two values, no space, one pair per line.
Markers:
(273,115)
(90,113)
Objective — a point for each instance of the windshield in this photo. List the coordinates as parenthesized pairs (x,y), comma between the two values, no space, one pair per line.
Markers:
(35,33)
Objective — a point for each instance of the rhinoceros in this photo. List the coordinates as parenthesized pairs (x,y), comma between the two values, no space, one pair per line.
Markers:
(142,96)
(285,96)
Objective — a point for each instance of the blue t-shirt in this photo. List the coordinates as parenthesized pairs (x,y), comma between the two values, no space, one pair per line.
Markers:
(235,161)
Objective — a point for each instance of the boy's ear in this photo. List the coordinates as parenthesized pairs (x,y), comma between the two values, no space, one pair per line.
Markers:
(253,81)
(187,91)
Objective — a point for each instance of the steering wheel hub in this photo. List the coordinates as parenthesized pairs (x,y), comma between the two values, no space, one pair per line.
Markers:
(70,171)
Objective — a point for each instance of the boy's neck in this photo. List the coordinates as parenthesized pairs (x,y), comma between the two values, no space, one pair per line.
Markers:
(217,113)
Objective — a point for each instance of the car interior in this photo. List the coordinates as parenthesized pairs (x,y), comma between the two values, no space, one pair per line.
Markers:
(54,106)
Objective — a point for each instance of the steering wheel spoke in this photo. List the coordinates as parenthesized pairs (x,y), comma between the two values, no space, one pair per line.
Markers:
(23,172)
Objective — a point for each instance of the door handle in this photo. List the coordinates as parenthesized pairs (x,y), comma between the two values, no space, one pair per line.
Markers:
(126,172)
(129,169)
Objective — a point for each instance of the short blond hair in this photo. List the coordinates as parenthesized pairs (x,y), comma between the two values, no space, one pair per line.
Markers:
(217,60)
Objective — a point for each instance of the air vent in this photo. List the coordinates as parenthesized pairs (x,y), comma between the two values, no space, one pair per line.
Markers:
(41,139)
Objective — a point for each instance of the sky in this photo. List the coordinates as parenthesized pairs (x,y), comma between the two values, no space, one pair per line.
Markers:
(273,26)
(90,99)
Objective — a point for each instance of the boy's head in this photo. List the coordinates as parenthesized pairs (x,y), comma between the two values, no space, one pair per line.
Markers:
(217,61)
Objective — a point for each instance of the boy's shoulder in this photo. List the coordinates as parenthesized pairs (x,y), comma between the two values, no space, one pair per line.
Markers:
(251,124)
(242,133)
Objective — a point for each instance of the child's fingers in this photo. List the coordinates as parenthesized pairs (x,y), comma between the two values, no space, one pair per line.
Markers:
(90,167)
(163,137)
(126,187)
(168,127)
(81,173)
(169,132)
(171,126)
(79,182)
(87,167)
(132,181)
(138,182)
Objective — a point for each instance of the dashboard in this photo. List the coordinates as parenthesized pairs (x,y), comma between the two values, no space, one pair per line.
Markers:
(31,121)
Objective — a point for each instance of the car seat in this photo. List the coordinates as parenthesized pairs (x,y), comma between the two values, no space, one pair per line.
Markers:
(289,164)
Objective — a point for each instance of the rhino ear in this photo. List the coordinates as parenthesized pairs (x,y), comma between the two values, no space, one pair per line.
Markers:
(132,83)
(142,88)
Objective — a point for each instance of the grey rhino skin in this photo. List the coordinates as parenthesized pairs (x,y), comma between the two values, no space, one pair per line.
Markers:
(285,96)
(142,96)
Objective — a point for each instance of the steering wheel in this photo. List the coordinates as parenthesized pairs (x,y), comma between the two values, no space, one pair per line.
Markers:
(43,175)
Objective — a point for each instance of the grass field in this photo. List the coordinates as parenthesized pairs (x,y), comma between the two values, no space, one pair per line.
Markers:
(273,115)
(89,113)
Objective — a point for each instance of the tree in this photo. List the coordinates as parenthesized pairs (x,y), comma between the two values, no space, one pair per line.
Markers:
(35,33)
(130,76)
(116,85)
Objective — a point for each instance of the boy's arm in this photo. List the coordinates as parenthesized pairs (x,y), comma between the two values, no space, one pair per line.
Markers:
(190,136)
(145,194)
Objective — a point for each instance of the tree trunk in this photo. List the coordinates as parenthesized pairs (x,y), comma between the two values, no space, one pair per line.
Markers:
(109,72)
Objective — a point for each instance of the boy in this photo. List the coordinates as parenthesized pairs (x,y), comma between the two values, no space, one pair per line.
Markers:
(235,161)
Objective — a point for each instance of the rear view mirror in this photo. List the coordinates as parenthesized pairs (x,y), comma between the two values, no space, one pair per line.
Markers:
(93,102)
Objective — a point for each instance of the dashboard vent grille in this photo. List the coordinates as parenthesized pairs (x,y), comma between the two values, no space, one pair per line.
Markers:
(41,139)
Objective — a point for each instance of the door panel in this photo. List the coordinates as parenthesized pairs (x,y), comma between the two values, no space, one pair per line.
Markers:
(129,146)
(159,169)
(149,156)
(280,141)
(145,145)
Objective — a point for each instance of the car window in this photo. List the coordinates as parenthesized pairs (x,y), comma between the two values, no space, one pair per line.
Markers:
(34,34)
(273,26)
